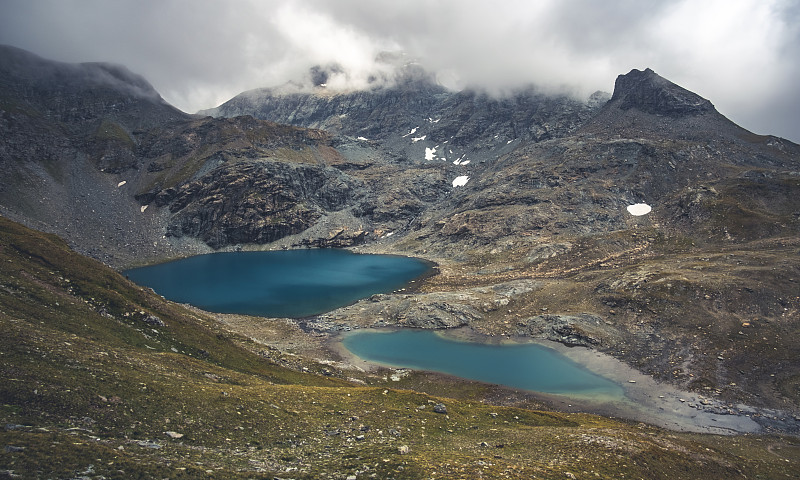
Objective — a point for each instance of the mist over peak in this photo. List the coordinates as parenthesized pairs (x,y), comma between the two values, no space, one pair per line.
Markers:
(390,69)
(202,54)
(25,66)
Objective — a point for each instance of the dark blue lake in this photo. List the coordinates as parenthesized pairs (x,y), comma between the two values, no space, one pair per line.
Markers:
(525,366)
(290,283)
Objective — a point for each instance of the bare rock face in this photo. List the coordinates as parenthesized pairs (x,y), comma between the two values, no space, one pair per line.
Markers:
(571,330)
(651,93)
(256,203)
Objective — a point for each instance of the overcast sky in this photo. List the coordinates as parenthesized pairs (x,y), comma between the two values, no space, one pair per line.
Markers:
(743,55)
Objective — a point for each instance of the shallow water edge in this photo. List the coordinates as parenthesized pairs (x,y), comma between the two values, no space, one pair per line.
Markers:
(644,399)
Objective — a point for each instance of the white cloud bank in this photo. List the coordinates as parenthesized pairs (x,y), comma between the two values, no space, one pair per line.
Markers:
(743,55)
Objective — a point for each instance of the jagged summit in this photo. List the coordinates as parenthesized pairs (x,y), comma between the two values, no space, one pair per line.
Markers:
(649,92)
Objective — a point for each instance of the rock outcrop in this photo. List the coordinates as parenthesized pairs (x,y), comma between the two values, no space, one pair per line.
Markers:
(651,93)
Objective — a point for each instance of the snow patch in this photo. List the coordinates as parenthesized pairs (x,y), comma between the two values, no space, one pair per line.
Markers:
(460,181)
(144,207)
(460,160)
(122,183)
(430,153)
(417,139)
(412,132)
(363,139)
(639,209)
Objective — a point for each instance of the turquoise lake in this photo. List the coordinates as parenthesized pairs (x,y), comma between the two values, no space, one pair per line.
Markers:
(288,283)
(300,283)
(525,366)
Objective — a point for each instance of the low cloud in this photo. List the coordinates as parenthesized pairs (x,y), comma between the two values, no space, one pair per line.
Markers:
(743,55)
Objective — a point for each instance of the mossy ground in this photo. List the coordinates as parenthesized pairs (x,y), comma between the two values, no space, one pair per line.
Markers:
(92,384)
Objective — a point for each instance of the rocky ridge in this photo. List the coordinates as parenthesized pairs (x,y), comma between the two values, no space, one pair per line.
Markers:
(650,93)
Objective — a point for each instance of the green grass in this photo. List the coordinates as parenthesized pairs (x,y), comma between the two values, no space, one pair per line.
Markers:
(112,131)
(90,389)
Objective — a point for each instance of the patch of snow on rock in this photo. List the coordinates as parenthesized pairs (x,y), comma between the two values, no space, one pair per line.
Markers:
(639,209)
(363,139)
(430,153)
(460,181)
(417,139)
(412,132)
(144,207)
(122,183)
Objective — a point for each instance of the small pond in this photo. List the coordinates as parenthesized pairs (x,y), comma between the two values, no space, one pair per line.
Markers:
(525,366)
(289,283)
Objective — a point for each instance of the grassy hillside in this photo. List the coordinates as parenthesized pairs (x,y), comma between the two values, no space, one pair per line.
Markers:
(104,379)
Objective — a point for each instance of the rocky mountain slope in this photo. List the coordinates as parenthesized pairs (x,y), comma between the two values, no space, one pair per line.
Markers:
(521,201)
(415,119)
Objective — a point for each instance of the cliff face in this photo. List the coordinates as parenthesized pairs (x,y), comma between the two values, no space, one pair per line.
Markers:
(256,203)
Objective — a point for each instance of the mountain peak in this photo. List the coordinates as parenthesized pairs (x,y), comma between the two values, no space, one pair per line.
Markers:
(649,92)
(82,93)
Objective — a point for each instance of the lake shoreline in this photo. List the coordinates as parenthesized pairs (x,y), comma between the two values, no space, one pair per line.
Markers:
(646,400)
(287,283)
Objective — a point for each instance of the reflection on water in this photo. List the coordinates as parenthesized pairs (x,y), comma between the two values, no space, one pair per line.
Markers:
(291,283)
(526,366)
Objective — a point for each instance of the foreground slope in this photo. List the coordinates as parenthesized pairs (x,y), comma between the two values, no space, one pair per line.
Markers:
(106,379)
